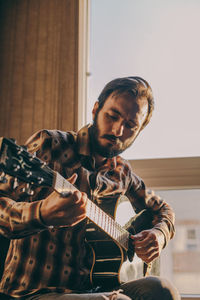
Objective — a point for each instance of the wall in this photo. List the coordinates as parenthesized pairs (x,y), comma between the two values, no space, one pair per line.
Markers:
(38,69)
(38,66)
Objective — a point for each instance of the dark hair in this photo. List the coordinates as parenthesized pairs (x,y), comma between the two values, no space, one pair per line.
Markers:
(136,86)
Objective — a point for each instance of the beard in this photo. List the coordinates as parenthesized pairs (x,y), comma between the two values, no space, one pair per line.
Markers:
(115,148)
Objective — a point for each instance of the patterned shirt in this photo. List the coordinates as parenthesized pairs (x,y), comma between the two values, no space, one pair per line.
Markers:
(42,258)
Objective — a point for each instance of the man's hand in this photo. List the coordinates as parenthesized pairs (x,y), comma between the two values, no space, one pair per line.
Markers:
(148,244)
(64,210)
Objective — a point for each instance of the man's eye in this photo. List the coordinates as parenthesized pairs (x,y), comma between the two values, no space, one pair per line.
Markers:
(112,117)
(131,126)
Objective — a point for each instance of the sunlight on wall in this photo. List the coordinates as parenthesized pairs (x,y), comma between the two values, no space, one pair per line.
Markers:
(160,41)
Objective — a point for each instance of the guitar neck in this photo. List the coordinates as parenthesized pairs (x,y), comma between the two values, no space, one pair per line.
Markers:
(95,214)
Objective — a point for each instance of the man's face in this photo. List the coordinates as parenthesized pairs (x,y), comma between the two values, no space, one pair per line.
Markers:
(117,123)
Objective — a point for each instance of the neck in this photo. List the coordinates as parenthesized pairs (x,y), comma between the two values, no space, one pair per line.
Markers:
(99,160)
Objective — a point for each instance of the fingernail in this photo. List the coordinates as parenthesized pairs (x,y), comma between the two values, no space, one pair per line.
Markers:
(65,194)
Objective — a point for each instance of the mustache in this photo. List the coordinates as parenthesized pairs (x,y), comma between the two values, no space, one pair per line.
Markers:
(111,137)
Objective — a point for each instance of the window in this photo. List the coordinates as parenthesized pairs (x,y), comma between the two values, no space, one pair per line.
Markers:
(180,261)
(158,40)
(191,234)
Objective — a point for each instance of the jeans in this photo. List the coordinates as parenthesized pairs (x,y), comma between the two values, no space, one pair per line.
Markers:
(148,288)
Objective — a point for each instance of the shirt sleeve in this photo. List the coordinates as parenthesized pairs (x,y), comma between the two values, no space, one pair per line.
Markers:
(162,212)
(19,219)
(20,213)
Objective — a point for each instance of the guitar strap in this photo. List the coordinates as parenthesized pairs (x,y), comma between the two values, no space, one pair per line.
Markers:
(147,269)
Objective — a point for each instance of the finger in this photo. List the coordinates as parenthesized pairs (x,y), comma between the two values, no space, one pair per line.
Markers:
(148,259)
(73,178)
(65,194)
(80,199)
(143,243)
(140,236)
(78,213)
(84,199)
(147,250)
(77,219)
(148,253)
(146,244)
(148,239)
(74,210)
(76,197)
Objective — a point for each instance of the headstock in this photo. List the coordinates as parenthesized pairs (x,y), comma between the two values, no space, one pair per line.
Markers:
(16,161)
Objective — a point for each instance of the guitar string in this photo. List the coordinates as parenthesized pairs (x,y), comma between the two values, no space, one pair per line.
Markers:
(121,235)
(94,213)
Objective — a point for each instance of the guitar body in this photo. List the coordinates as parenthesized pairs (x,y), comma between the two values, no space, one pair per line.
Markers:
(111,266)
(108,258)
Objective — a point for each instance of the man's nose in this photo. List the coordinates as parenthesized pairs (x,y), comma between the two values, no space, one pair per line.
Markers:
(118,129)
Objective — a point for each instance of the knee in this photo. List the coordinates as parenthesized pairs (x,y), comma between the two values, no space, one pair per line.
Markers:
(161,288)
(120,297)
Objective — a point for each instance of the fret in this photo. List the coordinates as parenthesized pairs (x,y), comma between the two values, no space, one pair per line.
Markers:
(112,227)
(106,223)
(96,214)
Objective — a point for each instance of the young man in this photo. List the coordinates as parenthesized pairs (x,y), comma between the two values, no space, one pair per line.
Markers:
(48,257)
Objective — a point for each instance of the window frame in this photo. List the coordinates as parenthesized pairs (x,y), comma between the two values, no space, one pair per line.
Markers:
(83,60)
(169,173)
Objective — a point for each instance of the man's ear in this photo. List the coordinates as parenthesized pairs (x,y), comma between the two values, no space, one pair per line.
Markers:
(94,110)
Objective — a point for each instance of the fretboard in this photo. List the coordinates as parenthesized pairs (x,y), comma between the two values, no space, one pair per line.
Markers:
(96,214)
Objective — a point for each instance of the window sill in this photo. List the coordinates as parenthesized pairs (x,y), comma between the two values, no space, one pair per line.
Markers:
(190,297)
(169,173)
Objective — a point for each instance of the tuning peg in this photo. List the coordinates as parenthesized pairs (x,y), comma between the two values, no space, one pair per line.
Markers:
(15,183)
(32,156)
(40,180)
(19,150)
(3,178)
(28,174)
(16,167)
(24,147)
(27,190)
(43,164)
(13,140)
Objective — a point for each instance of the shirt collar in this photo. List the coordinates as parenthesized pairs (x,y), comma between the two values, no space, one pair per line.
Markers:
(83,141)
